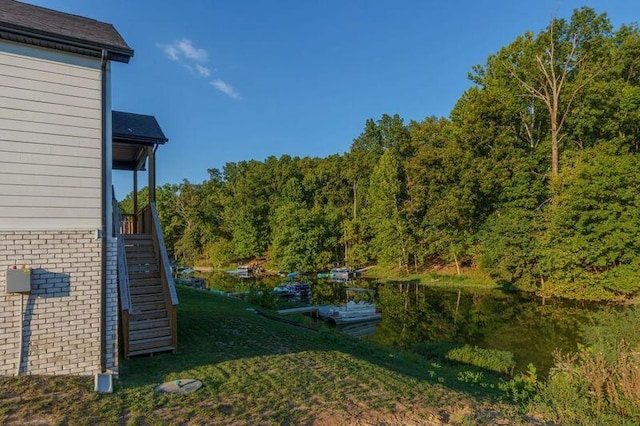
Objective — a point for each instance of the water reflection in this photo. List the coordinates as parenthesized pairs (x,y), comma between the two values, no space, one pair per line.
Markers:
(491,319)
(359,330)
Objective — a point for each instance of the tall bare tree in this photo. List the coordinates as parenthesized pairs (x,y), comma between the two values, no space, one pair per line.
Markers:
(558,75)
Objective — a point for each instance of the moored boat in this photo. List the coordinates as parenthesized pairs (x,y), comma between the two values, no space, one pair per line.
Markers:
(246,271)
(294,289)
(342,275)
(353,311)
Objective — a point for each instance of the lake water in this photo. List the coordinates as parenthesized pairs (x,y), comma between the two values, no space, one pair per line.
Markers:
(525,325)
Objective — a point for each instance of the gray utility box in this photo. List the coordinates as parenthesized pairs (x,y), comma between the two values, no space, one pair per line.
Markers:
(19,280)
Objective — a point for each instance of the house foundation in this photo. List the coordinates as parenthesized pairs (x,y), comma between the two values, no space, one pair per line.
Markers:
(56,328)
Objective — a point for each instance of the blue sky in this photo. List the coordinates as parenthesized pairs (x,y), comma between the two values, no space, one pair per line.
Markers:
(237,80)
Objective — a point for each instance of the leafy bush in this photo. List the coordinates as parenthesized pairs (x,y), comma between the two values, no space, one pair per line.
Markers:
(564,399)
(610,327)
(598,384)
(587,388)
(489,359)
(472,377)
(523,387)
(590,245)
(264,298)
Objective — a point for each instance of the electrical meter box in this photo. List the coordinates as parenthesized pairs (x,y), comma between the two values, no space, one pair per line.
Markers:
(19,280)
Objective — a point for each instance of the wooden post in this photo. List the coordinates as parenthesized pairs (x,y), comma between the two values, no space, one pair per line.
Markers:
(135,201)
(152,174)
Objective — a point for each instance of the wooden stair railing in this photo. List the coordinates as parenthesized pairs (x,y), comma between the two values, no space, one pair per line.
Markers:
(147,292)
(124,295)
(150,328)
(168,285)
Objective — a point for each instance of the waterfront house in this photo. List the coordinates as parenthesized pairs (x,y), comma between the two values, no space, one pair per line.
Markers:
(74,291)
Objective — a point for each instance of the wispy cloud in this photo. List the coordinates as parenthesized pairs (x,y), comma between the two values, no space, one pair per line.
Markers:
(203,71)
(184,50)
(187,49)
(193,59)
(225,88)
(171,52)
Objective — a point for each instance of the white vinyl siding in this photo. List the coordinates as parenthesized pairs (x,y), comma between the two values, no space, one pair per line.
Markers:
(50,140)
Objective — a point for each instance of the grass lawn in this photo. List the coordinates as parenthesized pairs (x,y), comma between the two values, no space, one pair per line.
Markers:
(259,371)
(444,277)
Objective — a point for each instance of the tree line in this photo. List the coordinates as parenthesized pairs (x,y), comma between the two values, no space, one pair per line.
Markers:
(534,178)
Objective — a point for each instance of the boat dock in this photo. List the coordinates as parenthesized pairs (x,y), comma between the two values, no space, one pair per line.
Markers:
(301,310)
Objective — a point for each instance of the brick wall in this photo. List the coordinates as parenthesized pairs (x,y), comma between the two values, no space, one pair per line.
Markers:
(112,306)
(61,323)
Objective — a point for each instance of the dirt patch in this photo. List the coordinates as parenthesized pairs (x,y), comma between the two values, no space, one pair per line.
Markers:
(379,417)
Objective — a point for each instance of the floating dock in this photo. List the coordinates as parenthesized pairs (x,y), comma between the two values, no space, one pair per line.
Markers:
(301,310)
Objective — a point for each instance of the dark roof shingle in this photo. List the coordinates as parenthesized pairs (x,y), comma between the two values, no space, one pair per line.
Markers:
(136,127)
(25,22)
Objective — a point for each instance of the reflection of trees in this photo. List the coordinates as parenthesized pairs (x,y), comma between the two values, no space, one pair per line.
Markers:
(535,331)
(410,315)
(323,292)
(490,319)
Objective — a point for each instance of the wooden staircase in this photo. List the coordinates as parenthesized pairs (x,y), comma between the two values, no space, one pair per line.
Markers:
(149,316)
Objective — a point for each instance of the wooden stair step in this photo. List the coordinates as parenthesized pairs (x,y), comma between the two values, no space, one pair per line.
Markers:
(152,343)
(141,282)
(139,247)
(148,324)
(147,298)
(135,250)
(144,281)
(142,257)
(130,250)
(149,333)
(148,315)
(136,236)
(143,275)
(149,306)
(137,291)
(135,253)
(138,243)
(152,351)
(141,264)
(137,267)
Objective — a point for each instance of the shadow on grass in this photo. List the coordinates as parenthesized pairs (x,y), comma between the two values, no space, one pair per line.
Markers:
(213,329)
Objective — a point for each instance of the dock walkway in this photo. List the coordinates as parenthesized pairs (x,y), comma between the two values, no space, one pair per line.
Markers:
(301,310)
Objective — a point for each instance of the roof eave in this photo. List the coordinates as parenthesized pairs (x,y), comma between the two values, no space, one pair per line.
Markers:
(139,139)
(68,44)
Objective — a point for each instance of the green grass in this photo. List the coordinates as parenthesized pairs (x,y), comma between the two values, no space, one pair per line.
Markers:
(470,277)
(259,371)
(489,359)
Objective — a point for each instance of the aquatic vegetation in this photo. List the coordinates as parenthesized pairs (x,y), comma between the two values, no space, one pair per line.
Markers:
(489,359)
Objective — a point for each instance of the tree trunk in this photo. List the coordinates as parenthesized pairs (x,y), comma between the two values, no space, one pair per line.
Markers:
(554,73)
(555,167)
(455,258)
(355,199)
